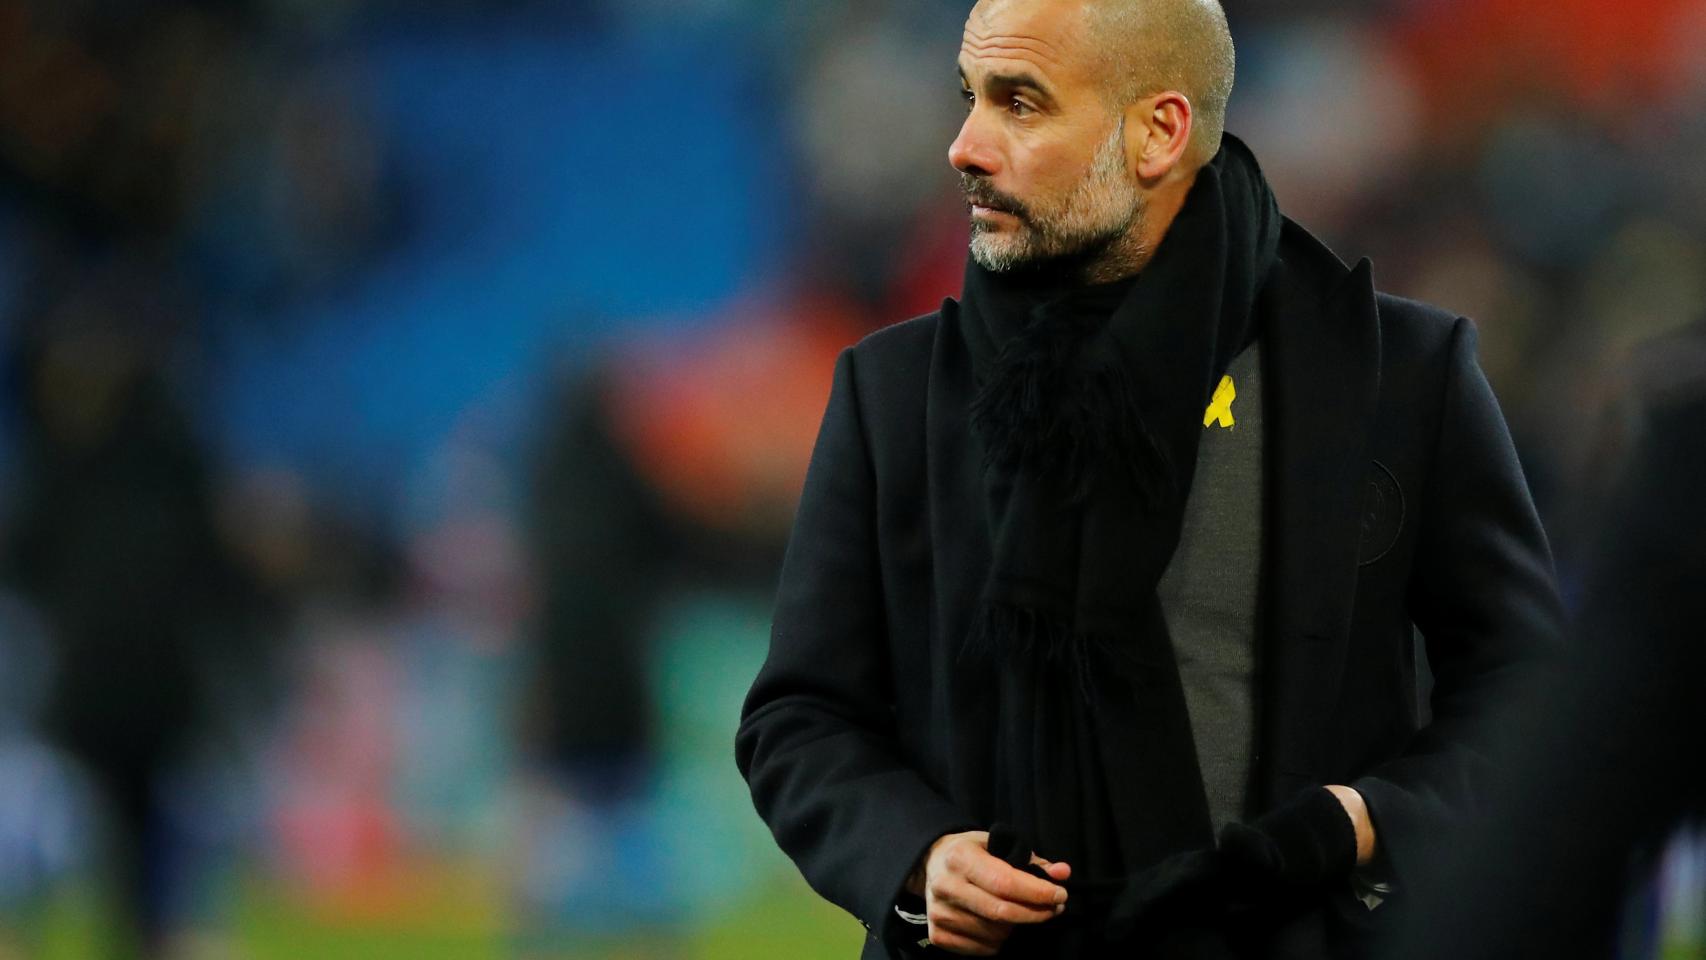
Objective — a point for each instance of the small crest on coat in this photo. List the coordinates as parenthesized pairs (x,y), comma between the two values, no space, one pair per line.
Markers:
(1382,514)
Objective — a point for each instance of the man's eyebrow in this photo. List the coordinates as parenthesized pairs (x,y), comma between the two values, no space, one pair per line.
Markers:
(1012,81)
(1019,81)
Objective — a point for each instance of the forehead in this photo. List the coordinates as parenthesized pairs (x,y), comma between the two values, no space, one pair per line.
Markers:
(1048,36)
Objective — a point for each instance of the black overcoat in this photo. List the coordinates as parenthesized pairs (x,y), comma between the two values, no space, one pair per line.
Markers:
(1395,504)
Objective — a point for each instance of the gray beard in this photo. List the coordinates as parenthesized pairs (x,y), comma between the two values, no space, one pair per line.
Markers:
(1057,238)
(1041,249)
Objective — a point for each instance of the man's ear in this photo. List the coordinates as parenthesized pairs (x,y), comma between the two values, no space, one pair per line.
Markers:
(1158,135)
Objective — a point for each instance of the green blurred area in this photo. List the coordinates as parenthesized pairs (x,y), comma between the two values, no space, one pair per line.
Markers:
(739,897)
(784,919)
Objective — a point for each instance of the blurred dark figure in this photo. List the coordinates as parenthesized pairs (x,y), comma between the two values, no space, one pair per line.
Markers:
(113,539)
(673,463)
(663,472)
(597,538)
(1604,765)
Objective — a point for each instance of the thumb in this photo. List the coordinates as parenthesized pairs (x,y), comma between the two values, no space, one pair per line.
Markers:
(1058,872)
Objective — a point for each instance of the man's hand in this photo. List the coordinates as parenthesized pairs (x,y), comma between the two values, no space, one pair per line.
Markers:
(973,899)
(1358,811)
(1301,842)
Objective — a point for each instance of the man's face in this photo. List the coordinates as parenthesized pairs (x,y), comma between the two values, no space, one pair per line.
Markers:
(1041,156)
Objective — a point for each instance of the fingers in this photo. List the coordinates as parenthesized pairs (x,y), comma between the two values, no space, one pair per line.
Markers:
(1031,899)
(1015,886)
(960,931)
(973,899)
(967,896)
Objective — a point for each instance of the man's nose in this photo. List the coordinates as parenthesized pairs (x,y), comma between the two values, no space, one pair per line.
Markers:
(971,152)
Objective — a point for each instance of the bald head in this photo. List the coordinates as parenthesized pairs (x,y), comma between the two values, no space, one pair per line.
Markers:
(1148,46)
(1086,124)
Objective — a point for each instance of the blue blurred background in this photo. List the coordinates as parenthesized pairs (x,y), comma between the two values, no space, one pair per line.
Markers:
(404,406)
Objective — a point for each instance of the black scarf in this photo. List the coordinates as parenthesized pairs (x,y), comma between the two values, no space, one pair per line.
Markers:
(1089,411)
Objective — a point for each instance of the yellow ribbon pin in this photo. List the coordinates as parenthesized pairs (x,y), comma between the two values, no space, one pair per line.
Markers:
(1220,409)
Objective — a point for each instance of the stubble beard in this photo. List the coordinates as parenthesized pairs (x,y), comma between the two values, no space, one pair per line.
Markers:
(1096,228)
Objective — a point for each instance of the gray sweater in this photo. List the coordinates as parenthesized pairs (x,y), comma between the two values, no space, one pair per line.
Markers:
(1209,592)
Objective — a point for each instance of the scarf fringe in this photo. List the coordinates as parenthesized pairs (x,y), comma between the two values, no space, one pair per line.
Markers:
(1011,634)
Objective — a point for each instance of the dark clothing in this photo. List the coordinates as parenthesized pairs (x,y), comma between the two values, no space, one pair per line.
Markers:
(1088,417)
(1606,761)
(1394,500)
(114,540)
(600,540)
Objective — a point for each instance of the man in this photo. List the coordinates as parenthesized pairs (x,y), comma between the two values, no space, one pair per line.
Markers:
(1129,546)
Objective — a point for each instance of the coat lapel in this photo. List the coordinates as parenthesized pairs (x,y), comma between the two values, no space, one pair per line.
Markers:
(1322,349)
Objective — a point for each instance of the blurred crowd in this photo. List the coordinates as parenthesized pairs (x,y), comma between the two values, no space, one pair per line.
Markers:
(405,402)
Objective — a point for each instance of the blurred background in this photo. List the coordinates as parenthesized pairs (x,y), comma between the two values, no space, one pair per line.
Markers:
(404,406)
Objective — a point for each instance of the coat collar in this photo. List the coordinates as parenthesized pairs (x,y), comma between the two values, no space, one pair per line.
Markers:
(1322,348)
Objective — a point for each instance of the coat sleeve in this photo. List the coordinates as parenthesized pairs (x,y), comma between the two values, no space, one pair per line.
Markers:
(817,742)
(1483,593)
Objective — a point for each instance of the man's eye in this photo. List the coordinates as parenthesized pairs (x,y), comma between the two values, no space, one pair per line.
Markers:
(969,98)
(1020,108)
